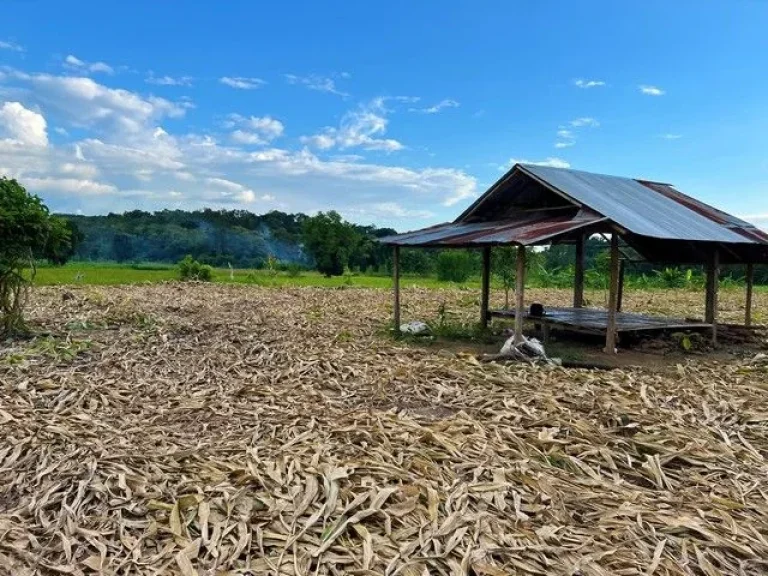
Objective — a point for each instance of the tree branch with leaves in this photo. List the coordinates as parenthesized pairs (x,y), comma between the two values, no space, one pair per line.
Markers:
(28,232)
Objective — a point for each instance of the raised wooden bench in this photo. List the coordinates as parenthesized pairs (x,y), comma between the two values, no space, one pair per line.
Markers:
(595,320)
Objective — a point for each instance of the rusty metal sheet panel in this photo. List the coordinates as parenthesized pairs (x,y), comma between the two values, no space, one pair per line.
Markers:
(750,231)
(526,230)
(633,206)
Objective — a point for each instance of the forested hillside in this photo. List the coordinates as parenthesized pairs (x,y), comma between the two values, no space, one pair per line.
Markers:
(217,237)
(331,245)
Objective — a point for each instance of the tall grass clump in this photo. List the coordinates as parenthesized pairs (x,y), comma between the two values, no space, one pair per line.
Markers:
(191,269)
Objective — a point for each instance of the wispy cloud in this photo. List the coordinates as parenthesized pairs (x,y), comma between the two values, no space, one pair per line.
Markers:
(254,130)
(584,121)
(168,80)
(361,127)
(581,83)
(387,210)
(446,103)
(670,136)
(567,135)
(119,156)
(73,63)
(547,162)
(241,82)
(651,90)
(12,46)
(319,83)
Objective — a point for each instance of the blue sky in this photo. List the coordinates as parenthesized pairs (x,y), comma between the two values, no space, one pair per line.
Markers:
(398,113)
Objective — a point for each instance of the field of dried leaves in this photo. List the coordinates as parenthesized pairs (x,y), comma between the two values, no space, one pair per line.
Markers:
(190,429)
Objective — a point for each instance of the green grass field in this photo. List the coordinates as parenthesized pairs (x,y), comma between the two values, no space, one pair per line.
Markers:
(106,274)
(113,274)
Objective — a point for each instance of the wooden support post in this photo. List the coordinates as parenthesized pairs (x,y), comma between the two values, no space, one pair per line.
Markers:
(613,297)
(578,276)
(486,287)
(713,280)
(520,295)
(620,302)
(396,283)
(750,286)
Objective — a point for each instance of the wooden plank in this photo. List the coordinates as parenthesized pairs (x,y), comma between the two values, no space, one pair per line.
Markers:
(613,297)
(578,275)
(620,302)
(750,288)
(396,283)
(713,280)
(520,295)
(596,320)
(486,287)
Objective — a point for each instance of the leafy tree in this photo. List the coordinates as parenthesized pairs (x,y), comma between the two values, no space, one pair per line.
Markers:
(417,261)
(65,251)
(27,232)
(122,247)
(330,241)
(454,266)
(504,267)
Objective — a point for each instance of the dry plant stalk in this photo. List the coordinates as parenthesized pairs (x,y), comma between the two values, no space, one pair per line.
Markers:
(242,430)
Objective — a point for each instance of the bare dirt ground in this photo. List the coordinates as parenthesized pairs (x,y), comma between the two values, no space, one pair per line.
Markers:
(200,429)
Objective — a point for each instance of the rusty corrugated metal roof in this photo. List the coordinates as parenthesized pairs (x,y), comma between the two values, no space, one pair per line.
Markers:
(637,208)
(749,231)
(528,229)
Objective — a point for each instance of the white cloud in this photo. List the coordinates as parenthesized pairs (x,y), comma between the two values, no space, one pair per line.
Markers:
(184,176)
(119,155)
(69,186)
(585,121)
(22,125)
(395,209)
(79,169)
(759,220)
(241,82)
(358,128)
(84,103)
(319,83)
(73,63)
(254,129)
(581,83)
(321,141)
(448,184)
(169,80)
(566,137)
(447,103)
(650,90)
(12,46)
(548,162)
(670,136)
(234,191)
(405,99)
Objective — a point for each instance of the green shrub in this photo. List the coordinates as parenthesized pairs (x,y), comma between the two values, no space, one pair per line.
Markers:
(294,270)
(191,269)
(454,266)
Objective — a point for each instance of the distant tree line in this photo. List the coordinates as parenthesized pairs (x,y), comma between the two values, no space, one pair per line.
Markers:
(229,237)
(327,243)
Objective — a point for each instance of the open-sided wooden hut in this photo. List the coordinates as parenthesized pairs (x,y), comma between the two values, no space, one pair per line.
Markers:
(535,205)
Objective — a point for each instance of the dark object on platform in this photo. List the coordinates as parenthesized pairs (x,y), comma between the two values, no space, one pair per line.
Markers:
(537,310)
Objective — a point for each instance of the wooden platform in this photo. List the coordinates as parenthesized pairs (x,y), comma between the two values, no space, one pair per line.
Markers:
(595,321)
